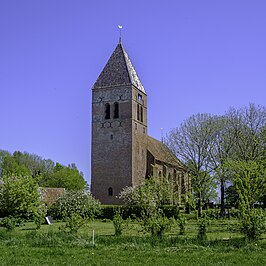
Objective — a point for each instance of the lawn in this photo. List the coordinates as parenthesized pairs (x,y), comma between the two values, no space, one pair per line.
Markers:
(50,246)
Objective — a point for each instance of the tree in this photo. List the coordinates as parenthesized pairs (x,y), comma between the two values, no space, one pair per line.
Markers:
(3,154)
(223,140)
(46,172)
(66,177)
(248,124)
(192,143)
(231,196)
(19,196)
(10,166)
(250,183)
(37,166)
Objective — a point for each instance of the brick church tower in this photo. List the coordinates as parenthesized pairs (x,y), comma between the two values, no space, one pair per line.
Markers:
(119,119)
(122,153)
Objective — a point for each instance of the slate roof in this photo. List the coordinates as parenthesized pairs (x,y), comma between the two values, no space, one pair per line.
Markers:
(118,71)
(162,153)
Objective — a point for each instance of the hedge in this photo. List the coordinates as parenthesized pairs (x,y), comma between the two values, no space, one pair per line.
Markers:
(109,211)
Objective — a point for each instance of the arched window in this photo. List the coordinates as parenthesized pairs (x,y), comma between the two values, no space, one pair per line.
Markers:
(107,111)
(141,114)
(164,171)
(116,110)
(138,112)
(169,177)
(183,186)
(110,191)
(175,175)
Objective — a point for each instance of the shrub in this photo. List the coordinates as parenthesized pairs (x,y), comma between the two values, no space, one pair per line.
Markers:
(119,223)
(9,223)
(253,223)
(156,224)
(39,216)
(109,211)
(73,223)
(75,203)
(182,222)
(202,228)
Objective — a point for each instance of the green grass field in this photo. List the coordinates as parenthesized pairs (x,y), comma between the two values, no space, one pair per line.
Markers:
(50,246)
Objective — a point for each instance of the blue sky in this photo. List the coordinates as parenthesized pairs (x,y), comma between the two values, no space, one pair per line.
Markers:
(193,56)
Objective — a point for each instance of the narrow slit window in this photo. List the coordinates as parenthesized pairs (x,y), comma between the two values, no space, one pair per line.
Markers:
(141,114)
(107,111)
(110,191)
(138,112)
(116,110)
(164,171)
(174,175)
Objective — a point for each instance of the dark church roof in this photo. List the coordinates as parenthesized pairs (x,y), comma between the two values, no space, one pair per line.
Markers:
(118,71)
(162,153)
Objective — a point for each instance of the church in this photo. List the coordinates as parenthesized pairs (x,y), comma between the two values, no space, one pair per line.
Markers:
(122,153)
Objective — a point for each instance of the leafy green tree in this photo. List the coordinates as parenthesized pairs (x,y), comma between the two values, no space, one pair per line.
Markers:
(3,154)
(19,196)
(10,166)
(249,180)
(66,177)
(34,163)
(250,183)
(46,172)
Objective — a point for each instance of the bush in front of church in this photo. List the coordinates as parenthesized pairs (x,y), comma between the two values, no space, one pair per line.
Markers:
(71,203)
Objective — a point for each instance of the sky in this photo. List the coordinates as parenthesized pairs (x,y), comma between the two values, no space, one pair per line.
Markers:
(193,56)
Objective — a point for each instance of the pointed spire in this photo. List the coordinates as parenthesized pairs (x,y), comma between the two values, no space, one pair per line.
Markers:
(120,35)
(118,71)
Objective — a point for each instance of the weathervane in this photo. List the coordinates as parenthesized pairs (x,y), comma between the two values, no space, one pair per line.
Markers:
(120,37)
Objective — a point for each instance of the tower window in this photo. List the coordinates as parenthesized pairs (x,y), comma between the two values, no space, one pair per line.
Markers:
(107,111)
(141,114)
(139,97)
(116,110)
(138,112)
(110,191)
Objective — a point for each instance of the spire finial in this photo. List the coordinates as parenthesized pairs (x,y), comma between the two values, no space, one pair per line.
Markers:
(120,35)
